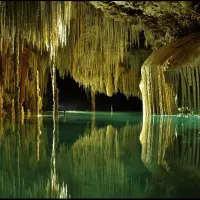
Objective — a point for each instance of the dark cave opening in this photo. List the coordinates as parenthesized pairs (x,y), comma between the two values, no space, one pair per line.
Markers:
(72,97)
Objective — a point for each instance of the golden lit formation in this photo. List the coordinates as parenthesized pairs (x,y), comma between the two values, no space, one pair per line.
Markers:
(74,38)
(102,54)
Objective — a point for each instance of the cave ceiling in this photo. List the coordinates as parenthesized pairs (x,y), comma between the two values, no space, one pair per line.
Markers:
(165,20)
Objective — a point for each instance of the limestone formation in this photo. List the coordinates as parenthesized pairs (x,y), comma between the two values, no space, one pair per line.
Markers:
(102,45)
(170,78)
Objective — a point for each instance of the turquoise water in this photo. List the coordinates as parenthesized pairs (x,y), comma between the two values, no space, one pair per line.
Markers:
(118,155)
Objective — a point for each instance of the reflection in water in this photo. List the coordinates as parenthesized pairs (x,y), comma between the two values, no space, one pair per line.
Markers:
(99,163)
(56,189)
(19,161)
(25,164)
(170,150)
(159,158)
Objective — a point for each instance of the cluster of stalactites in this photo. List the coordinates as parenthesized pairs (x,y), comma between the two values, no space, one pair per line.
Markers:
(185,84)
(29,40)
(76,38)
(37,29)
(98,46)
(158,96)
(129,79)
(32,80)
(171,92)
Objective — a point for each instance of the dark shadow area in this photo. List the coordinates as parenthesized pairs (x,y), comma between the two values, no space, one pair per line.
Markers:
(119,103)
(74,97)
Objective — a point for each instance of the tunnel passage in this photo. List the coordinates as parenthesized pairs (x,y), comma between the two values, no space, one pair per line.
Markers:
(75,97)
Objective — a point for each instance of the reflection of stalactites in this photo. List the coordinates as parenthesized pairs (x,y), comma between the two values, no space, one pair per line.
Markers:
(112,146)
(39,132)
(110,134)
(1,128)
(18,160)
(53,160)
(93,122)
(155,137)
(187,144)
(55,187)
(172,143)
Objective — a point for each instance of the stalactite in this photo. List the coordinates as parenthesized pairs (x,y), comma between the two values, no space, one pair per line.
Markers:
(22,114)
(39,100)
(16,67)
(93,100)
(110,86)
(55,91)
(172,90)
(13,111)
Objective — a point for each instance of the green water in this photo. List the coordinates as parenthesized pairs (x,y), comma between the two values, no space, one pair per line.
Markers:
(105,155)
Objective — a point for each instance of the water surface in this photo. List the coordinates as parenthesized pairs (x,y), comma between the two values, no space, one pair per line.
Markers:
(102,155)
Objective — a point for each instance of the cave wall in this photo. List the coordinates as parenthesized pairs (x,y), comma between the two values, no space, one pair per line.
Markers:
(33,68)
(170,78)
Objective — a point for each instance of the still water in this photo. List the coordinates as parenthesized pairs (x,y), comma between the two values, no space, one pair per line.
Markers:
(118,155)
